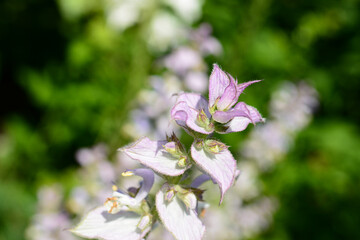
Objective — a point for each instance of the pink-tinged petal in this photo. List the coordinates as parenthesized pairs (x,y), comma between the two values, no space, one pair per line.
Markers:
(221,166)
(195,101)
(153,155)
(229,97)
(240,123)
(182,223)
(186,110)
(218,82)
(240,110)
(241,87)
(99,224)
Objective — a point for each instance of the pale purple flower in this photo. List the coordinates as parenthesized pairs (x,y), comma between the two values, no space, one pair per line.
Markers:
(196,81)
(194,113)
(215,159)
(122,215)
(178,212)
(207,43)
(182,60)
(165,157)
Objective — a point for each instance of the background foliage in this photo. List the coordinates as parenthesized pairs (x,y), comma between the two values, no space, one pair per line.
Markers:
(67,81)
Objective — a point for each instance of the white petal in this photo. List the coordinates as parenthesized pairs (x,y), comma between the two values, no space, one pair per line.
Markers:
(182,223)
(221,166)
(103,225)
(152,154)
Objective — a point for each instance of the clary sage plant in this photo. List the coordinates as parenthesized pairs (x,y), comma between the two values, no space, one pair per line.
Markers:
(131,215)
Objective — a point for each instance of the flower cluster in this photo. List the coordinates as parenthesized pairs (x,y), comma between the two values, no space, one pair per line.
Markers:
(177,204)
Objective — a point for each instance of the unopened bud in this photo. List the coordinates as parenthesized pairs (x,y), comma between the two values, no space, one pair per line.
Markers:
(202,118)
(203,121)
(199,143)
(144,222)
(172,148)
(182,162)
(214,146)
(170,195)
(189,199)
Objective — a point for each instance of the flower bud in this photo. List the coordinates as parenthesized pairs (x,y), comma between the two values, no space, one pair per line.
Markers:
(144,222)
(182,161)
(214,146)
(203,121)
(189,199)
(170,194)
(172,148)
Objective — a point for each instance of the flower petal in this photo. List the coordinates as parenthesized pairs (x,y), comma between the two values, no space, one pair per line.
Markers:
(229,97)
(221,166)
(217,84)
(147,183)
(186,110)
(103,225)
(181,222)
(240,123)
(152,154)
(240,110)
(241,87)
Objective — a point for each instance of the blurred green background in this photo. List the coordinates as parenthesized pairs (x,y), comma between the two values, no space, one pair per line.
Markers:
(67,81)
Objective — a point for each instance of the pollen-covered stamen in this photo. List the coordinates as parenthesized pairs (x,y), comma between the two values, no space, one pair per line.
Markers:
(112,205)
(127,173)
(115,188)
(214,146)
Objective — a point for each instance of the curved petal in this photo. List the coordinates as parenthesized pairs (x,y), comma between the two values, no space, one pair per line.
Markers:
(240,110)
(186,110)
(152,154)
(99,224)
(221,166)
(181,222)
(241,87)
(229,97)
(146,185)
(240,123)
(217,84)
